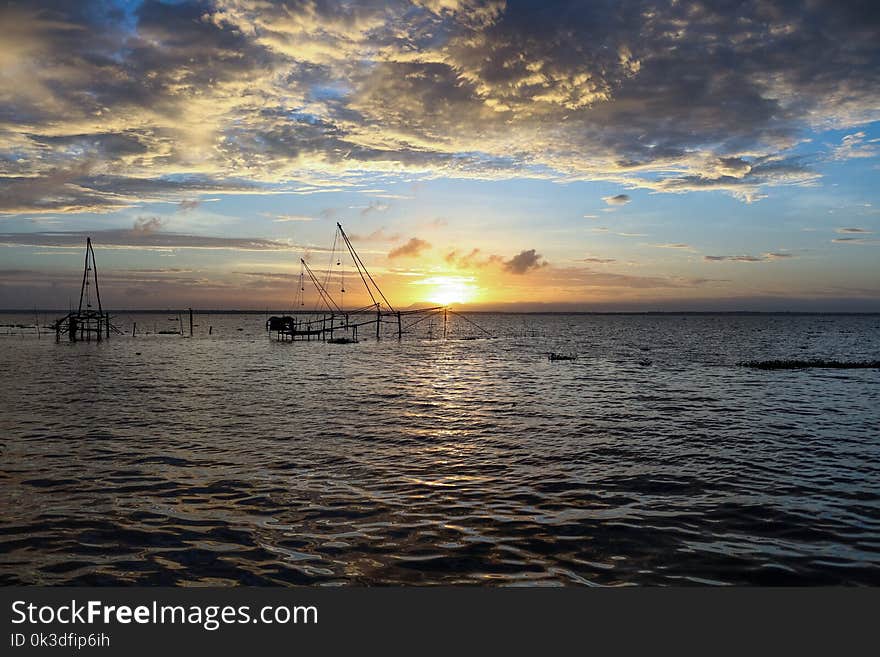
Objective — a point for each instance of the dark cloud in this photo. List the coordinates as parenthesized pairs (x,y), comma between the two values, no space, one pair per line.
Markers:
(854,230)
(105,106)
(585,277)
(374,206)
(749,258)
(619,199)
(140,239)
(146,225)
(855,240)
(524,262)
(378,235)
(739,258)
(411,249)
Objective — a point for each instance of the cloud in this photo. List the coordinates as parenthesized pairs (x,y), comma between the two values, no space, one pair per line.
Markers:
(854,230)
(748,258)
(853,146)
(375,207)
(679,245)
(283,218)
(104,110)
(188,204)
(378,235)
(619,199)
(855,240)
(411,249)
(148,239)
(146,225)
(599,261)
(589,278)
(524,262)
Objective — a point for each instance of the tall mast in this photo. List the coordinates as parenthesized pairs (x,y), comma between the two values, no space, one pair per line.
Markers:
(89,265)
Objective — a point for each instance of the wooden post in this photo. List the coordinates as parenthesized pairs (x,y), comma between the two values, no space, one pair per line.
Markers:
(399,327)
(107,319)
(210,330)
(378,320)
(134,327)
(190,322)
(445,321)
(58,331)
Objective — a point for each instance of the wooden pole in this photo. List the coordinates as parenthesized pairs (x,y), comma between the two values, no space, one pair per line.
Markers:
(378,320)
(190,322)
(445,321)
(134,327)
(399,327)
(107,320)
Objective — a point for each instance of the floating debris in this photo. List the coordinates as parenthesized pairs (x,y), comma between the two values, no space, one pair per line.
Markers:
(555,356)
(815,363)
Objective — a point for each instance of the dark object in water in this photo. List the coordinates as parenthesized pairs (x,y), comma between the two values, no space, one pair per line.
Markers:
(168,332)
(555,356)
(646,363)
(815,363)
(342,341)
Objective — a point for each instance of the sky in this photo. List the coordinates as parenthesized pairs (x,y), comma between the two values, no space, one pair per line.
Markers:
(586,156)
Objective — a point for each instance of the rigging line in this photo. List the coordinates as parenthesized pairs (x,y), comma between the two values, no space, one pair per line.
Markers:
(356,262)
(332,256)
(420,310)
(95,271)
(362,309)
(428,316)
(82,289)
(472,322)
(321,291)
(357,258)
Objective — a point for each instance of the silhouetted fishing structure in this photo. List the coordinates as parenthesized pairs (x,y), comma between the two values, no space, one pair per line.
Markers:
(331,322)
(87,322)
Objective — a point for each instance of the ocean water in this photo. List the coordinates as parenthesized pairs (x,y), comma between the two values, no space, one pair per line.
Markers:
(652,459)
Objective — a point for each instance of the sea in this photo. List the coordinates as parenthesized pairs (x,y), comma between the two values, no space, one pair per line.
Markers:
(459,454)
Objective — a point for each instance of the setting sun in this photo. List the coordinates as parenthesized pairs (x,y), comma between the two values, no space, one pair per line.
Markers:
(445,290)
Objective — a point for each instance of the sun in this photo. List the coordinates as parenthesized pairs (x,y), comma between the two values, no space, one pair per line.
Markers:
(446,290)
